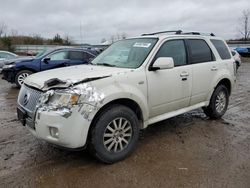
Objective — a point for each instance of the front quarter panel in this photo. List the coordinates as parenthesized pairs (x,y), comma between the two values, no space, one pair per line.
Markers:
(127,85)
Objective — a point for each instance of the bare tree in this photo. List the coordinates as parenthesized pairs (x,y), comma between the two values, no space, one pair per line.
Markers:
(3,28)
(245,24)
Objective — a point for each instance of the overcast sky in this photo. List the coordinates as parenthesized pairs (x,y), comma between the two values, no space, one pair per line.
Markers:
(104,18)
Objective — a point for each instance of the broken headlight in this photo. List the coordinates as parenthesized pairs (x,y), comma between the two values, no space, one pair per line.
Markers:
(64,99)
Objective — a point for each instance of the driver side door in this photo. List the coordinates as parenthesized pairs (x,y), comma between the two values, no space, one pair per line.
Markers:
(56,60)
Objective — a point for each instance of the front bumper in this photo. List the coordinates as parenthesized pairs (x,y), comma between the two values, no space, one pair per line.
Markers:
(8,75)
(69,132)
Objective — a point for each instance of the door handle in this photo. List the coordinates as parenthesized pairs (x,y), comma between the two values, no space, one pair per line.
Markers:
(184,74)
(214,69)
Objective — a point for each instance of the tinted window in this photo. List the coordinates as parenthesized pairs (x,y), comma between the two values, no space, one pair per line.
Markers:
(174,49)
(221,48)
(59,56)
(76,55)
(199,51)
(233,53)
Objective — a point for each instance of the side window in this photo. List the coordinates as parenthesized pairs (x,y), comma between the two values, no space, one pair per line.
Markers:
(59,56)
(3,55)
(175,49)
(199,51)
(76,55)
(221,48)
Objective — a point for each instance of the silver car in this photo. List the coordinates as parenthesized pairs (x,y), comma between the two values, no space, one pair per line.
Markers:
(5,55)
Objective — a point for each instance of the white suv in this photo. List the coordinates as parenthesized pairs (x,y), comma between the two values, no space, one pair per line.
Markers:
(132,84)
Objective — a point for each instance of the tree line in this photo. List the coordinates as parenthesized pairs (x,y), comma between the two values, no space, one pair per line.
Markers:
(9,40)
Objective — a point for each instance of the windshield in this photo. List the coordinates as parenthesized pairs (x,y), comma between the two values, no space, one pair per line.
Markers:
(42,53)
(129,53)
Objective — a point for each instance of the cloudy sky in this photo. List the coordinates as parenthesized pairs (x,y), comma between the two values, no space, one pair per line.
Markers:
(103,18)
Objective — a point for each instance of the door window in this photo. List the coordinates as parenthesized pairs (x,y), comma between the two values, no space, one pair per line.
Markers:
(176,50)
(199,51)
(63,55)
(76,55)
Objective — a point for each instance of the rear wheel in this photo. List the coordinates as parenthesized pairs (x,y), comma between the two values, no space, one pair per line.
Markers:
(21,76)
(115,134)
(218,103)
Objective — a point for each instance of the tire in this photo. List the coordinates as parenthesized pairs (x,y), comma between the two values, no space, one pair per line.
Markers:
(218,103)
(109,145)
(20,77)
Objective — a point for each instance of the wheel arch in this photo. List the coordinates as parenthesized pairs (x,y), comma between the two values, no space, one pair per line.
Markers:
(227,83)
(134,106)
(24,69)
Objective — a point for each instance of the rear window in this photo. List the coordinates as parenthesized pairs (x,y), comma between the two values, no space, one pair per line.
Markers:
(221,48)
(199,51)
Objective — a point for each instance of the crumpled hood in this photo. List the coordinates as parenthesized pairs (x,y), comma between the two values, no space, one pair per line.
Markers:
(64,77)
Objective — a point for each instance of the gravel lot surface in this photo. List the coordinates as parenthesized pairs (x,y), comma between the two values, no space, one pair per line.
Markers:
(186,151)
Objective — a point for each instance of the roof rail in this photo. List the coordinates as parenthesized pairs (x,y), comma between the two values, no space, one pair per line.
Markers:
(179,32)
(162,32)
(198,33)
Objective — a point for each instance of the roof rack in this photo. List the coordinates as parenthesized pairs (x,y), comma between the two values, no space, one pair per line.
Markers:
(198,33)
(179,32)
(162,32)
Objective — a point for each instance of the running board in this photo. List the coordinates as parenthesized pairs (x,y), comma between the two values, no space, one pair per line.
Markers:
(176,113)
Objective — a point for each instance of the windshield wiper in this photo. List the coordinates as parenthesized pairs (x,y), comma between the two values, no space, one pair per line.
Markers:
(106,64)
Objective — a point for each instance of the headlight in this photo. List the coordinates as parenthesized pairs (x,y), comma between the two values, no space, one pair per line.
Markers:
(8,66)
(64,99)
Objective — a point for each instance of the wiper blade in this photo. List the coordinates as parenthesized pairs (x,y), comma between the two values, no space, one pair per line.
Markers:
(106,64)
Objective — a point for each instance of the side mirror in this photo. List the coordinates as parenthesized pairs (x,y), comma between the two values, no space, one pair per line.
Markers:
(162,63)
(46,60)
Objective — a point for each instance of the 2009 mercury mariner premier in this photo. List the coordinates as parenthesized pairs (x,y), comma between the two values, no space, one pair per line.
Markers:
(132,84)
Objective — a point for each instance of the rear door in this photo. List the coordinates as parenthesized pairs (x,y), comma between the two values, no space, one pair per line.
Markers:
(77,57)
(204,69)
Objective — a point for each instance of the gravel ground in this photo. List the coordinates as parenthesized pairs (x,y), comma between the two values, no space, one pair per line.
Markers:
(186,151)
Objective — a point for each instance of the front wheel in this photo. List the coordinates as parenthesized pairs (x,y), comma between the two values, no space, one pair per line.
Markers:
(21,76)
(115,134)
(218,103)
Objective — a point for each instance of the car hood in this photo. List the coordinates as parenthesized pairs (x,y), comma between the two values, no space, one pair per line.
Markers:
(67,76)
(18,60)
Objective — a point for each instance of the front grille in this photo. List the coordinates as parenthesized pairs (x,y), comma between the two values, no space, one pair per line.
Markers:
(28,98)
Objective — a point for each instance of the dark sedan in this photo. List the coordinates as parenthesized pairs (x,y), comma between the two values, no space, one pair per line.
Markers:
(16,71)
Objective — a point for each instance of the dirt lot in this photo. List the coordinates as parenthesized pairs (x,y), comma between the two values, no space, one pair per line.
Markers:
(186,151)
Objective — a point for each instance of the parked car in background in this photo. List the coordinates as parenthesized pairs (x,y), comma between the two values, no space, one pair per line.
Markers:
(17,71)
(5,55)
(237,58)
(244,52)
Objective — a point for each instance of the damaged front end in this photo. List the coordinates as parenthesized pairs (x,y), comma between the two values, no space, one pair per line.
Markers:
(83,98)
